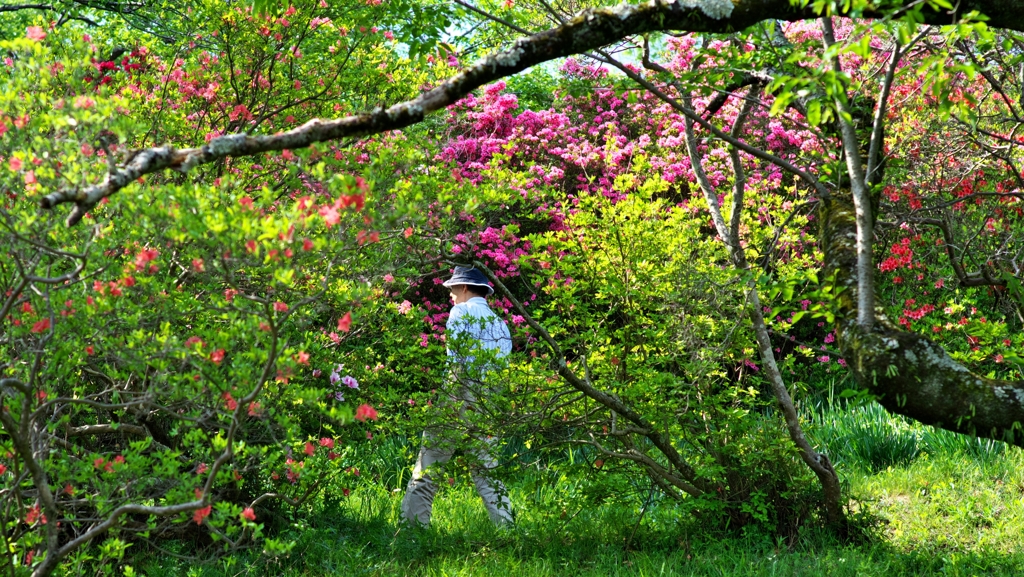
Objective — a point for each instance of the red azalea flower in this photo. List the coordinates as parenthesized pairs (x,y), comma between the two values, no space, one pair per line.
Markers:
(364,412)
(345,323)
(201,514)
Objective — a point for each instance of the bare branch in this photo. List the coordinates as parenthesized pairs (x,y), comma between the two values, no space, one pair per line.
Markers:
(16,7)
(966,279)
(112,519)
(874,174)
(107,428)
(960,199)
(493,17)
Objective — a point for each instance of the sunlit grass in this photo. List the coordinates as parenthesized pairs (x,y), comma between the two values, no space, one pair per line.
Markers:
(954,497)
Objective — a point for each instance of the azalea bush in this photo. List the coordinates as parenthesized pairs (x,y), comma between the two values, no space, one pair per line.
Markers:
(536,176)
(171,368)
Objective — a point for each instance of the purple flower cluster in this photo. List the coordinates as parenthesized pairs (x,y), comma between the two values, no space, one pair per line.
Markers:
(348,380)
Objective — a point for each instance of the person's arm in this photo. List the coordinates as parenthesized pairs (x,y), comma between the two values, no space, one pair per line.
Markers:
(505,340)
(455,328)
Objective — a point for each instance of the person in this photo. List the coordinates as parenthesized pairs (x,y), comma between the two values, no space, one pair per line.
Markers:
(477,340)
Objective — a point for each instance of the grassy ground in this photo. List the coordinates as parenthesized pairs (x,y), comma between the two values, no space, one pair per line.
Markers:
(944,504)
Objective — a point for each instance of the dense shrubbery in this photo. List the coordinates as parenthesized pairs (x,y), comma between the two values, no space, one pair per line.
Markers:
(186,358)
(170,363)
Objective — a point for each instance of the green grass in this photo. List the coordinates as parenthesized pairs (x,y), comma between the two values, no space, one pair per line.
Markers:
(944,504)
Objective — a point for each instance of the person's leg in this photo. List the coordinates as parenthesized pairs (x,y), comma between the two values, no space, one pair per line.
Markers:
(492,491)
(419,495)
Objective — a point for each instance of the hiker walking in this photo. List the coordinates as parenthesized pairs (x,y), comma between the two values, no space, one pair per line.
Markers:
(477,340)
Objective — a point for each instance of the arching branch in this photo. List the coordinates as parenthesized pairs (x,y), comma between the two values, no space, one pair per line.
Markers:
(589,30)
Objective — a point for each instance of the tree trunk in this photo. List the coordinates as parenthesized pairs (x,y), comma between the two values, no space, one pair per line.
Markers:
(911,375)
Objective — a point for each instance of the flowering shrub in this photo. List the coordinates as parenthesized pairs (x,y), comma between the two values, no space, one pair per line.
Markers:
(599,142)
(168,363)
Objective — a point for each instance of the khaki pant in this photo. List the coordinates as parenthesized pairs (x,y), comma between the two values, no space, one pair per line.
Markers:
(419,495)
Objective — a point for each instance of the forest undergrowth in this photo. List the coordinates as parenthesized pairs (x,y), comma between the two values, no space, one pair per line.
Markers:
(928,501)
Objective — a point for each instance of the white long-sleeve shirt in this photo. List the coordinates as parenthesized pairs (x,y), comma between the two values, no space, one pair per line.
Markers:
(473,327)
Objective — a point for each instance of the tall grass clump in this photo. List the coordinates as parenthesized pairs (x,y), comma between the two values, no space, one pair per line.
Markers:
(868,437)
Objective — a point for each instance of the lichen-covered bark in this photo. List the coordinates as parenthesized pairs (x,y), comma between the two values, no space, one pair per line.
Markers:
(858,192)
(910,374)
(589,30)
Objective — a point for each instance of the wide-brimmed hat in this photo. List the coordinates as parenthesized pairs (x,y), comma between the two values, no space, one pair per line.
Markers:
(471,276)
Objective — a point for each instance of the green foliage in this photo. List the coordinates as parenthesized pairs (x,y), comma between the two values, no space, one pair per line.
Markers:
(533,88)
(419,26)
(650,315)
(182,346)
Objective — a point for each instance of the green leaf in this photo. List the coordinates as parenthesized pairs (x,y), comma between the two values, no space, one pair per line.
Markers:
(814,112)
